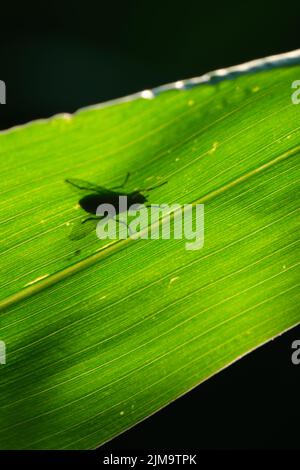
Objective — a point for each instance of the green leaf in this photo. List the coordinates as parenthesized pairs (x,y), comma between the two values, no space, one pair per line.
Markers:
(100,334)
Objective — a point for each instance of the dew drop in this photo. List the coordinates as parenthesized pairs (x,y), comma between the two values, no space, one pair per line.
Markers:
(179,85)
(147,94)
(36,280)
(214,148)
(174,279)
(67,116)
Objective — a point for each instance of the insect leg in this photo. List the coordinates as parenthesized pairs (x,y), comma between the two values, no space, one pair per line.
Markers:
(152,205)
(99,218)
(90,218)
(124,182)
(158,185)
(124,223)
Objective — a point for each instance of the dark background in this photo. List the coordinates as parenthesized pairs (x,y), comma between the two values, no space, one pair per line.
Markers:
(59,56)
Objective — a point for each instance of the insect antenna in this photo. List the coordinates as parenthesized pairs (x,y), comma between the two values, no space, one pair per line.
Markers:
(75,184)
(150,188)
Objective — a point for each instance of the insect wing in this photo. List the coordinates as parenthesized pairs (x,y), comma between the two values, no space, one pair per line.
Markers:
(82,228)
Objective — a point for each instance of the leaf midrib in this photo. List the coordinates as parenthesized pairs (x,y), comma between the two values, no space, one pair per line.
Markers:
(119,245)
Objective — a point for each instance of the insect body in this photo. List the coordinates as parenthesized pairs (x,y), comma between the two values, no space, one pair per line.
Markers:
(90,202)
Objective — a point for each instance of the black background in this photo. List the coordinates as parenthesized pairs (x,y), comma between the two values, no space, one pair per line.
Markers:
(59,56)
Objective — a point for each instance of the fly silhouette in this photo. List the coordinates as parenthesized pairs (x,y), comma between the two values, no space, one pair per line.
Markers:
(100,195)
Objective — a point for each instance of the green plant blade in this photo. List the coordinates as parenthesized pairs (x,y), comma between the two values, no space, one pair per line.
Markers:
(101,334)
